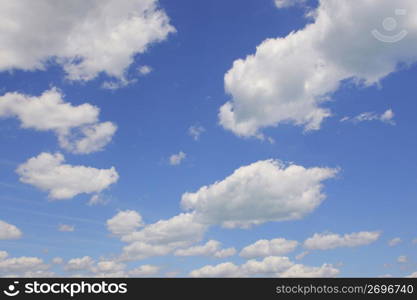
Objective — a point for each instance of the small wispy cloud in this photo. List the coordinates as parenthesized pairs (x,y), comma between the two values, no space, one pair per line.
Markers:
(195,131)
(177,159)
(386,117)
(66,228)
(394,242)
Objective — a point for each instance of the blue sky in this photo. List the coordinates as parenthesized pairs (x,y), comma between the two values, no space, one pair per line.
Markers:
(373,188)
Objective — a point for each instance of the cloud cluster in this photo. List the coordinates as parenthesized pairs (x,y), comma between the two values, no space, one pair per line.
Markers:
(261,192)
(289,78)
(22,266)
(331,240)
(49,172)
(77,127)
(77,34)
(9,231)
(211,248)
(272,266)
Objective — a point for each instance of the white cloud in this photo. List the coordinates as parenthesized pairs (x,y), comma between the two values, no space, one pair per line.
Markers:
(97,200)
(302,255)
(263,248)
(302,271)
(77,35)
(3,255)
(394,242)
(144,270)
(414,275)
(211,248)
(77,127)
(125,222)
(176,159)
(272,266)
(261,192)
(22,266)
(402,259)
(162,237)
(288,3)
(145,70)
(80,264)
(327,241)
(289,78)
(66,228)
(195,131)
(49,173)
(386,117)
(57,260)
(9,231)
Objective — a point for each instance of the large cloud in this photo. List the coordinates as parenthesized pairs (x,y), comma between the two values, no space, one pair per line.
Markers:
(85,36)
(330,240)
(272,266)
(21,266)
(261,192)
(77,127)
(9,231)
(48,172)
(288,79)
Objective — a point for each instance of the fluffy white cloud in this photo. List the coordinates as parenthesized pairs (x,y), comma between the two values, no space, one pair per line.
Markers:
(125,222)
(144,70)
(289,78)
(386,117)
(77,34)
(66,228)
(21,266)
(272,266)
(49,173)
(144,270)
(162,237)
(79,264)
(195,131)
(211,248)
(77,127)
(9,231)
(302,271)
(394,242)
(288,3)
(261,192)
(263,248)
(176,159)
(327,241)
(178,231)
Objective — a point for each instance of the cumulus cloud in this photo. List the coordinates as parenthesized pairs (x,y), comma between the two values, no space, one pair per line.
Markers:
(9,231)
(176,159)
(66,228)
(79,264)
(22,266)
(386,117)
(263,248)
(77,127)
(272,266)
(211,248)
(77,35)
(162,237)
(48,172)
(195,131)
(261,192)
(125,222)
(144,270)
(327,241)
(394,242)
(289,78)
